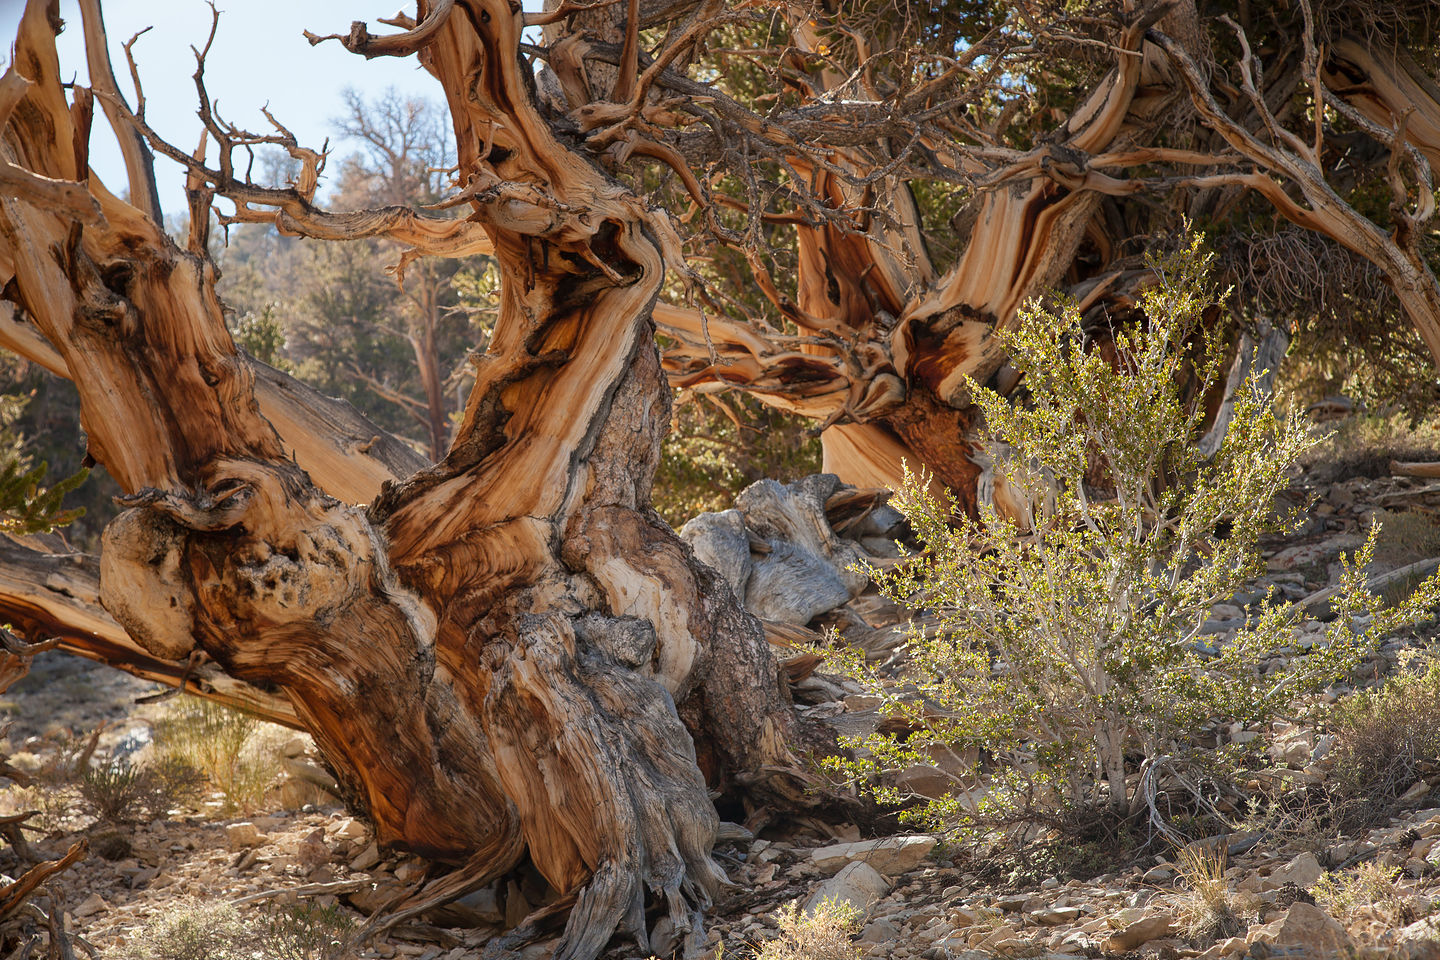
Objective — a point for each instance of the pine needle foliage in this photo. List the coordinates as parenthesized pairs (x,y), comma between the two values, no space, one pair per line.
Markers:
(26,505)
(1064,671)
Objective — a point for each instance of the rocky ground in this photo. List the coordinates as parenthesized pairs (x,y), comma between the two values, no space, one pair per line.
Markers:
(1251,893)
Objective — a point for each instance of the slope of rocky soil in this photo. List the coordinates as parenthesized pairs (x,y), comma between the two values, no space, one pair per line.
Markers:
(787,550)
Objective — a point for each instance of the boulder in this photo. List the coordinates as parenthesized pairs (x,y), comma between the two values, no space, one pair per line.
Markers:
(859,885)
(476,909)
(880,931)
(1055,916)
(1304,871)
(891,856)
(1304,928)
(367,858)
(91,905)
(792,585)
(721,541)
(1156,926)
(242,836)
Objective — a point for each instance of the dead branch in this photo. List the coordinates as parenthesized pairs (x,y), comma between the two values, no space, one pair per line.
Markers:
(14,895)
(361,41)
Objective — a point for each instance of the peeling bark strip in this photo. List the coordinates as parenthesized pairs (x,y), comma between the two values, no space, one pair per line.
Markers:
(506,654)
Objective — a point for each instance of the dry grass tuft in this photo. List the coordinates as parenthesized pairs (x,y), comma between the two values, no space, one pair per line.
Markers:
(122,792)
(238,753)
(197,930)
(1210,911)
(1407,536)
(1387,738)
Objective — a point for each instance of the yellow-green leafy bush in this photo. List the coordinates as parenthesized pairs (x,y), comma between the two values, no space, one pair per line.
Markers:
(1063,669)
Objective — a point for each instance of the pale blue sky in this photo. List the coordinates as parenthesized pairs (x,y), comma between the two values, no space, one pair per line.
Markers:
(259,57)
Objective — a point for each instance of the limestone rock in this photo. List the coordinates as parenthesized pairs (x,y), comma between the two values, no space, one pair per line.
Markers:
(1163,873)
(880,931)
(792,585)
(367,858)
(349,829)
(1427,929)
(807,568)
(859,884)
(1304,871)
(891,856)
(1153,927)
(1231,947)
(721,541)
(242,836)
(91,905)
(1304,927)
(1054,916)
(311,852)
(478,908)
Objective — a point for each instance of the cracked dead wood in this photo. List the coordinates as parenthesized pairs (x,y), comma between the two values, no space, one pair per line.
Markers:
(505,655)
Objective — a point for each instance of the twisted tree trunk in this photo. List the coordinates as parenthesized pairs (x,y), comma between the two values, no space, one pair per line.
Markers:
(506,654)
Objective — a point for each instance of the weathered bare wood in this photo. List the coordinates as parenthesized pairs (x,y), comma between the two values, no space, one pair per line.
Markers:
(343,451)
(1383,84)
(886,349)
(16,657)
(505,654)
(1324,210)
(890,346)
(139,164)
(1405,468)
(360,40)
(1260,361)
(49,591)
(14,895)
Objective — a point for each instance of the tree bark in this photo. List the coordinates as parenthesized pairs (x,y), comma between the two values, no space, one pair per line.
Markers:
(507,654)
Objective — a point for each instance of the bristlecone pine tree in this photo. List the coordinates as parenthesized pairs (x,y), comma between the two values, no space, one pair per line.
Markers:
(506,654)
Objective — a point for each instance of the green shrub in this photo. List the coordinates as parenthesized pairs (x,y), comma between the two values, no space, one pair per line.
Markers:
(237,753)
(112,792)
(196,930)
(1382,737)
(1367,892)
(305,931)
(823,934)
(1063,670)
(122,792)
